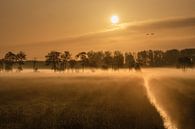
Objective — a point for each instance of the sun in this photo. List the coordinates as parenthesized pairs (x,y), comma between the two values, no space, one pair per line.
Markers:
(114,19)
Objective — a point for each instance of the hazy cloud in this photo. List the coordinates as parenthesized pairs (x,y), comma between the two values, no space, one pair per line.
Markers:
(153,34)
(171,23)
(140,27)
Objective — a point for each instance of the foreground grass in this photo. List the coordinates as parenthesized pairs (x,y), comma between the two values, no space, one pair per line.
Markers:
(76,102)
(177,96)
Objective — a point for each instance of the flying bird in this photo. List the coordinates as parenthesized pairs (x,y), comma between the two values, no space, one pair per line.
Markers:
(150,34)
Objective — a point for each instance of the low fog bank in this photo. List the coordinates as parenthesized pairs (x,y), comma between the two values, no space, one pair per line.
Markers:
(168,72)
(145,73)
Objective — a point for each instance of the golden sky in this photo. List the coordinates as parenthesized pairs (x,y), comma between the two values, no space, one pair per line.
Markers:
(38,26)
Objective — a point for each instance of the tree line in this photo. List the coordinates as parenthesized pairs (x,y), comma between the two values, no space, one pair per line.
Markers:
(62,61)
(10,59)
(91,59)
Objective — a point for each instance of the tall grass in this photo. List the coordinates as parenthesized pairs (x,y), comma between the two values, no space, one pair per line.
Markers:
(76,102)
(177,96)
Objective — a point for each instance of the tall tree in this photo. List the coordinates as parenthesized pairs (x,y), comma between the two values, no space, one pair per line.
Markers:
(185,62)
(142,58)
(158,57)
(190,52)
(9,60)
(137,66)
(150,58)
(65,57)
(95,58)
(72,63)
(35,67)
(1,65)
(108,59)
(129,60)
(171,56)
(20,58)
(53,59)
(83,59)
(118,59)
(92,59)
(99,58)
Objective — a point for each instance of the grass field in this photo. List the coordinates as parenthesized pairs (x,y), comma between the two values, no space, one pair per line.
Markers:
(177,96)
(100,100)
(75,102)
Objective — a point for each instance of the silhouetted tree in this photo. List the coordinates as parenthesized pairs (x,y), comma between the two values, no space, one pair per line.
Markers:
(150,58)
(82,58)
(9,60)
(142,58)
(53,59)
(95,58)
(108,60)
(118,59)
(72,63)
(190,52)
(185,62)
(99,57)
(158,58)
(20,58)
(146,58)
(129,60)
(1,65)
(92,59)
(171,56)
(137,66)
(61,61)
(65,57)
(35,67)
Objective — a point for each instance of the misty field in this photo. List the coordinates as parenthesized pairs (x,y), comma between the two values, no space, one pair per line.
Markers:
(96,100)
(75,102)
(177,96)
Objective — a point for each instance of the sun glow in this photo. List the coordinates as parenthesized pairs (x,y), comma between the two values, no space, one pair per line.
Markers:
(114,19)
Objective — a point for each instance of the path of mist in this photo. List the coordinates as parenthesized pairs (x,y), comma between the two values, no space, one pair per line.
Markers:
(166,118)
(170,107)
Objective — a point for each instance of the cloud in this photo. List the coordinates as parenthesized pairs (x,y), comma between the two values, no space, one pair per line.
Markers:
(134,28)
(173,27)
(171,23)
(167,33)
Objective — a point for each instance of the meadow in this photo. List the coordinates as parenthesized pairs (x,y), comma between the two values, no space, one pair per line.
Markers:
(95,100)
(176,95)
